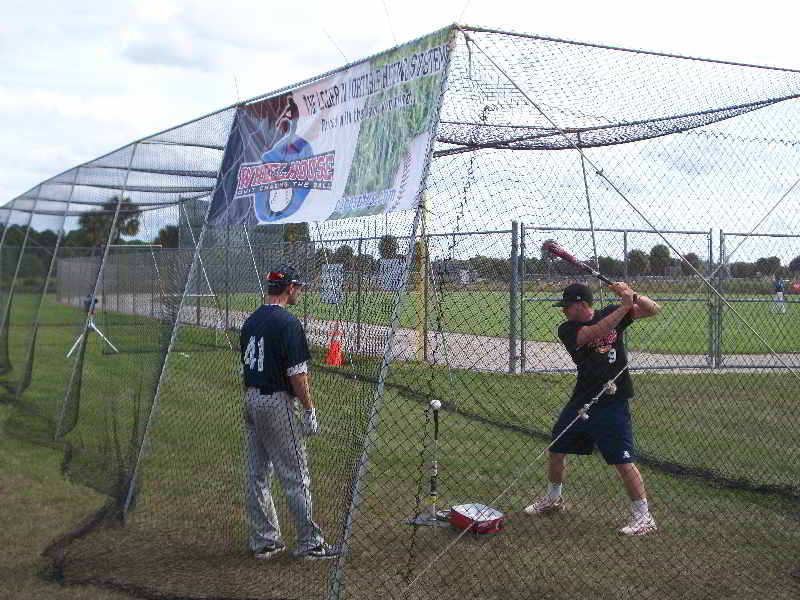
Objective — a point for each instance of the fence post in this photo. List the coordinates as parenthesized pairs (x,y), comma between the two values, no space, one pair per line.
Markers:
(710,299)
(719,313)
(513,300)
(521,265)
(316,279)
(360,265)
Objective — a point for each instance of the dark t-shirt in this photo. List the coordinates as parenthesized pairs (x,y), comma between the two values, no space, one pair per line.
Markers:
(271,341)
(778,285)
(600,360)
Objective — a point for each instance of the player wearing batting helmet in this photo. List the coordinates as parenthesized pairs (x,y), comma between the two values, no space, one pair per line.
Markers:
(594,340)
(275,355)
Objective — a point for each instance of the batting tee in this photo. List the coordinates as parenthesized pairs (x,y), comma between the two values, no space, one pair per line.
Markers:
(414,190)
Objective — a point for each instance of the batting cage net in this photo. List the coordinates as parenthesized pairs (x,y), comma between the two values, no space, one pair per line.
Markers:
(438,364)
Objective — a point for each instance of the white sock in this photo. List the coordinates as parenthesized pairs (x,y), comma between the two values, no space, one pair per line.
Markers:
(640,508)
(554,490)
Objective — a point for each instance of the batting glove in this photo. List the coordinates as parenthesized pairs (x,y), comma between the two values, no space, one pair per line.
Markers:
(310,424)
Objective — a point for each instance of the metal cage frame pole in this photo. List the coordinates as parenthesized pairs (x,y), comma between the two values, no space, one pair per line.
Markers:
(176,325)
(162,374)
(51,268)
(83,338)
(337,572)
(4,316)
(372,421)
(5,230)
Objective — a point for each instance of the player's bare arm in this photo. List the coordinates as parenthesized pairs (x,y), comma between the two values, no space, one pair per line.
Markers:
(301,389)
(602,328)
(644,306)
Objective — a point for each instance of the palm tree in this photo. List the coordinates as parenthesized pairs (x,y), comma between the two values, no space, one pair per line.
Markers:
(95,224)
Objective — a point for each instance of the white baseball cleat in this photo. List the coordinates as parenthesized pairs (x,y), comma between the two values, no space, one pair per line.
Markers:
(546,505)
(640,525)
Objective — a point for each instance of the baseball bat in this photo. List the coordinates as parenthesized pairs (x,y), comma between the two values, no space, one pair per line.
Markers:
(558,251)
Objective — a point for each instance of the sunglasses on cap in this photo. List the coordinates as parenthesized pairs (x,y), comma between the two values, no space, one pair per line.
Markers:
(279,277)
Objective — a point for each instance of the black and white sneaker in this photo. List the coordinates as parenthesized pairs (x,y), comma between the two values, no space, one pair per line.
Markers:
(268,552)
(321,552)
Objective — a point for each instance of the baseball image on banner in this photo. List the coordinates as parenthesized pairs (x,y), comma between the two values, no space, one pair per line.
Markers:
(353,144)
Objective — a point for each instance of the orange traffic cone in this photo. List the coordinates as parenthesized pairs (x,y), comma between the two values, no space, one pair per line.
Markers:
(334,356)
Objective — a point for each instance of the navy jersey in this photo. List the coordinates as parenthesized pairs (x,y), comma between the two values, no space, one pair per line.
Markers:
(599,360)
(272,340)
(779,286)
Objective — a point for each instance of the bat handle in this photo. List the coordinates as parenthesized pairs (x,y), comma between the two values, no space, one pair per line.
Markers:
(603,278)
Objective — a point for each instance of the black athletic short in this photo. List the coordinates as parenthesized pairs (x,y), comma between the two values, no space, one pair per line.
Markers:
(609,428)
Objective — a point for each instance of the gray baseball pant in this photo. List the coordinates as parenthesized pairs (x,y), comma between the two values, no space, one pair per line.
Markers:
(275,443)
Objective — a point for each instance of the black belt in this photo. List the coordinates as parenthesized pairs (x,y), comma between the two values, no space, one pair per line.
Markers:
(268,391)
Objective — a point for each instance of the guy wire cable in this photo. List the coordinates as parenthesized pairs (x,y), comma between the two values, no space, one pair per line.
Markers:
(591,217)
(619,192)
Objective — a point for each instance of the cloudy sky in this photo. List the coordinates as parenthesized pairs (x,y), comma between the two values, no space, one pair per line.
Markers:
(81,78)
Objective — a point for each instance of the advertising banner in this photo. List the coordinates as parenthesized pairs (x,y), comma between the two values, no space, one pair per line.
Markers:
(352,144)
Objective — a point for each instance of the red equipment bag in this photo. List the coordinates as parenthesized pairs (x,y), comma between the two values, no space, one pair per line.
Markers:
(478,518)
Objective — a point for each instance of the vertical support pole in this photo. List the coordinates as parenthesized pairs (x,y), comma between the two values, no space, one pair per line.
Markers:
(116,277)
(227,275)
(305,296)
(722,276)
(358,296)
(153,286)
(710,299)
(420,287)
(513,300)
(521,261)
(133,288)
(426,265)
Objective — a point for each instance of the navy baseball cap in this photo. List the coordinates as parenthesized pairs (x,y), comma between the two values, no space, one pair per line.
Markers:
(282,276)
(575,292)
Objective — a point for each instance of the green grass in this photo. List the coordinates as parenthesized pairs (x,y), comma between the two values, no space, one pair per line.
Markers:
(186,535)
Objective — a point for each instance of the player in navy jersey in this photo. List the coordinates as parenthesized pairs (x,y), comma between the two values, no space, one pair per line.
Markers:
(279,413)
(594,341)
